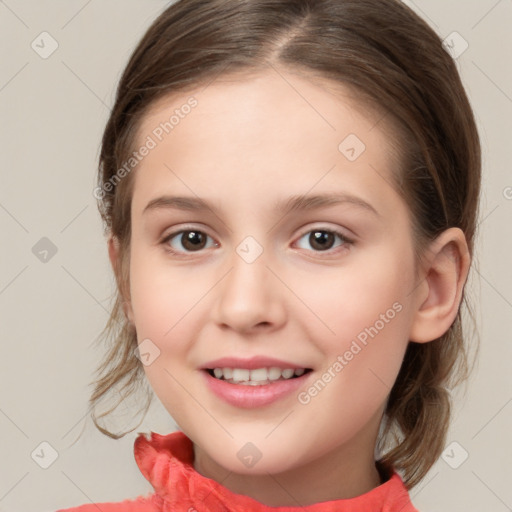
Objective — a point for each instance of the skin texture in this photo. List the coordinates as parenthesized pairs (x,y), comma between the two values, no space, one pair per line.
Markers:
(249,143)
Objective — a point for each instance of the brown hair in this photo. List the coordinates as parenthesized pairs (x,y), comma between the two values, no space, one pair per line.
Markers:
(390,58)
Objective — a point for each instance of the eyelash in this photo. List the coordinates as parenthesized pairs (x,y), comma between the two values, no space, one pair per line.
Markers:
(346,242)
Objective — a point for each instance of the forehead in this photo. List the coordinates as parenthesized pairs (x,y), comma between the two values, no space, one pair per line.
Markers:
(263,126)
(284,90)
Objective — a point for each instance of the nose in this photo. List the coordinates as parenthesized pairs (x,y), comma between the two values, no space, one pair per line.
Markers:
(250,298)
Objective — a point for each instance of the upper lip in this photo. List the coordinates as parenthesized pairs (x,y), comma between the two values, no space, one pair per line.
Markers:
(251,363)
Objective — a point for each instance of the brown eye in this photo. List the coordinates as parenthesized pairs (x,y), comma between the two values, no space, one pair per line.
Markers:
(186,241)
(193,240)
(323,239)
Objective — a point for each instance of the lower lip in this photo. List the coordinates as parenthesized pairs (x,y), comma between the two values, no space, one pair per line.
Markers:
(249,397)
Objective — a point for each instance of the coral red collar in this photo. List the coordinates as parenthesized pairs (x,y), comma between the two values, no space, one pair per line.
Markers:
(166,461)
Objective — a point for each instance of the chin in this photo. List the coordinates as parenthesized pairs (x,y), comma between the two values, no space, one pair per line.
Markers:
(252,458)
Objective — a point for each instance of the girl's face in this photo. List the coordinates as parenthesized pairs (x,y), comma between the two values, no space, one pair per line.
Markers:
(289,242)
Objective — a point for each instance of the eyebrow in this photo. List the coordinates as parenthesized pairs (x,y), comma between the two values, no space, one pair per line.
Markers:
(292,204)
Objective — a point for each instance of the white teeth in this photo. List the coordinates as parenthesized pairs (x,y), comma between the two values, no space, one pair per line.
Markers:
(258,376)
(274,373)
(287,373)
(240,374)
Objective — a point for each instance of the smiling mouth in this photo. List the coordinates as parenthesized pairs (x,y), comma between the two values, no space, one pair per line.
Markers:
(256,377)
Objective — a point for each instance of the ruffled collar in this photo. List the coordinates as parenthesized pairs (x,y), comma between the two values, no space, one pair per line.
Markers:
(166,461)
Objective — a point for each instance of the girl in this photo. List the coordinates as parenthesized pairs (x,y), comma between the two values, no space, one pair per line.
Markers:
(290,192)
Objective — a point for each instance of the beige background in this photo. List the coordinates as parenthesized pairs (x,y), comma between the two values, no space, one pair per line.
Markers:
(53,112)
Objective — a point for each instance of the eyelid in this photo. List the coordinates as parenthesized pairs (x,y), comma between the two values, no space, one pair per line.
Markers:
(186,227)
(343,232)
(320,227)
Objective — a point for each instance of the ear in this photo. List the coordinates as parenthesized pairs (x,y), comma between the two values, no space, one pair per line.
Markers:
(113,254)
(440,292)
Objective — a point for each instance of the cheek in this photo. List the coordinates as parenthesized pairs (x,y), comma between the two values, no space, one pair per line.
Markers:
(164,302)
(163,299)
(371,291)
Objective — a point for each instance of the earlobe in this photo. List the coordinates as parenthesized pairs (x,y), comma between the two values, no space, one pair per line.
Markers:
(445,274)
(113,254)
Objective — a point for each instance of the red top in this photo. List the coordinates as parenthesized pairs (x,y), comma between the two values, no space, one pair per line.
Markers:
(167,463)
